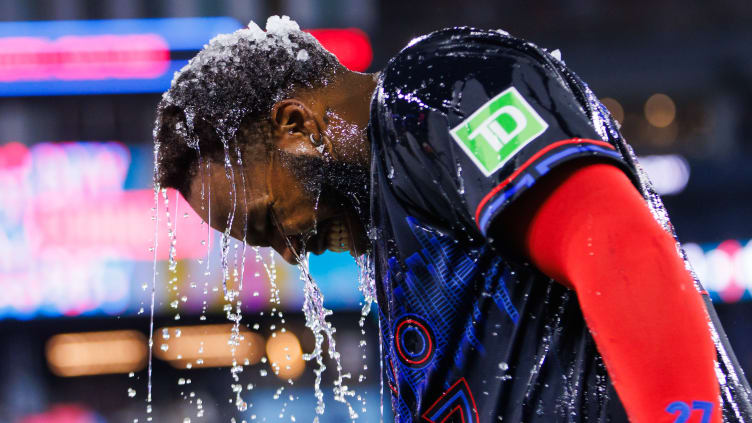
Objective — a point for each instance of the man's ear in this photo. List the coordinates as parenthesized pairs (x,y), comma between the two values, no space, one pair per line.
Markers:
(291,116)
(295,123)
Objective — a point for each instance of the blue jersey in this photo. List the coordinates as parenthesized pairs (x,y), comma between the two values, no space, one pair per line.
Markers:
(463,122)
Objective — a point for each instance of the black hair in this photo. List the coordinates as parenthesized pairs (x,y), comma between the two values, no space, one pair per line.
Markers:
(220,102)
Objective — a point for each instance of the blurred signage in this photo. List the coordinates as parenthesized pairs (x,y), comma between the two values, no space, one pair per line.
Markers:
(83,58)
(113,224)
(72,237)
(70,196)
(57,281)
(99,57)
(76,238)
(126,55)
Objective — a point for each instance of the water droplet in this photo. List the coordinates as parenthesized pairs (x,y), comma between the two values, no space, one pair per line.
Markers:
(131,392)
(460,180)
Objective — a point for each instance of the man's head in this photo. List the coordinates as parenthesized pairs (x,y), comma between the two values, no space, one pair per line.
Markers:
(263,132)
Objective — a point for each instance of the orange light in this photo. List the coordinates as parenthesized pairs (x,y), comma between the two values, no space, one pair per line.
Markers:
(285,355)
(206,346)
(660,110)
(93,353)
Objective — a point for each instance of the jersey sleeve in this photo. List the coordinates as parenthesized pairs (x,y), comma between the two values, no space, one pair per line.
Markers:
(475,123)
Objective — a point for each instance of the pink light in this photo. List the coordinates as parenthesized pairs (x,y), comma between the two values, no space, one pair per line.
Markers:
(733,289)
(62,414)
(117,225)
(83,57)
(13,154)
(351,46)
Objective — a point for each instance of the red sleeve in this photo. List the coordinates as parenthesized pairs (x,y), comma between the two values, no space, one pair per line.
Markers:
(590,229)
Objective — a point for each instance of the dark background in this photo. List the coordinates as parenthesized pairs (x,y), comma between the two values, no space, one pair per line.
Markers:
(699,53)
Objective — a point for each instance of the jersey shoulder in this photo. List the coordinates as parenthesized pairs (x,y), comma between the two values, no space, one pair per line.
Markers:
(499,108)
(429,69)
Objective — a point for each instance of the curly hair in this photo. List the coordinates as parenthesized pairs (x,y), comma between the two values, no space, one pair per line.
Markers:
(220,102)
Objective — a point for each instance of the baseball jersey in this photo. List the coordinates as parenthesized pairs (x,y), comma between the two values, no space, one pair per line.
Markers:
(463,122)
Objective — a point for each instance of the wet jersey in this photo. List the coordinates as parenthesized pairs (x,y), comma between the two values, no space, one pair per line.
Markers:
(462,123)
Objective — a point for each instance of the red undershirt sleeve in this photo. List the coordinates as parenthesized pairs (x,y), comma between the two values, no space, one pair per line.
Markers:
(587,227)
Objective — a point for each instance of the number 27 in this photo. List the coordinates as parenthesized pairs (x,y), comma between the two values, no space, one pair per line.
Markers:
(683,411)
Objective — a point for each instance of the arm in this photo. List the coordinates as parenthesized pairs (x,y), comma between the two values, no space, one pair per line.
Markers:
(588,227)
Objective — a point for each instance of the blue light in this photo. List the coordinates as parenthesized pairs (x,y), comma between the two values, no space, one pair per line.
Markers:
(99,86)
(179,34)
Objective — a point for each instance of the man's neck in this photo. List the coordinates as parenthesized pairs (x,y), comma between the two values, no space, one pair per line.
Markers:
(348,107)
(355,91)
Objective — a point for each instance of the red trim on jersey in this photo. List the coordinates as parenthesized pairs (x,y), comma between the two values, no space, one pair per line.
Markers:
(535,157)
(396,392)
(458,407)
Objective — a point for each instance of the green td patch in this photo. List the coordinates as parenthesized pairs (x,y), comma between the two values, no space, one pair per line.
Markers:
(499,129)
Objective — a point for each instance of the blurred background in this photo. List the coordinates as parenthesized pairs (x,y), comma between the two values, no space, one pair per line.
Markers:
(79,83)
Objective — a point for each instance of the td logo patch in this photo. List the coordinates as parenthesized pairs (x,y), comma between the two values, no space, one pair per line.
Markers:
(499,129)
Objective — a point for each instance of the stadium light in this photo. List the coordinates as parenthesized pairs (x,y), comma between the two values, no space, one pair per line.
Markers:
(668,172)
(94,353)
(285,355)
(660,110)
(185,347)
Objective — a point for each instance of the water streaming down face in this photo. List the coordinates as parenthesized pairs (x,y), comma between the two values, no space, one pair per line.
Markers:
(367,287)
(228,114)
(316,320)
